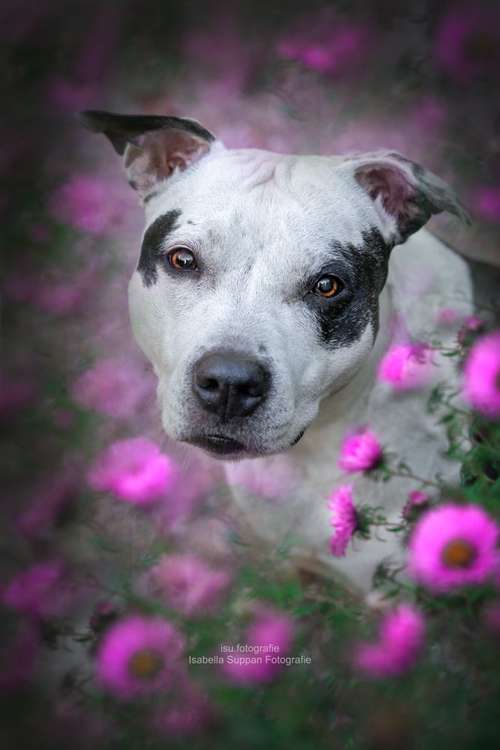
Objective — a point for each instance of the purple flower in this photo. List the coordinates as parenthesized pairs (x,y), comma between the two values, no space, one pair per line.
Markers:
(134,470)
(481,386)
(468,41)
(452,546)
(343,519)
(37,591)
(417,499)
(268,639)
(486,203)
(398,647)
(360,452)
(139,656)
(113,387)
(190,585)
(88,203)
(405,367)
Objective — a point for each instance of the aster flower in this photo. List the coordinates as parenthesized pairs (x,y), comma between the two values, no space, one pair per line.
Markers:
(112,387)
(482,375)
(139,656)
(272,633)
(134,470)
(190,585)
(398,646)
(360,452)
(471,325)
(405,367)
(88,203)
(37,591)
(343,519)
(417,499)
(452,546)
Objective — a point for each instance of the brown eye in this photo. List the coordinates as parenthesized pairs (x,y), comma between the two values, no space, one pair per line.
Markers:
(328,286)
(182,259)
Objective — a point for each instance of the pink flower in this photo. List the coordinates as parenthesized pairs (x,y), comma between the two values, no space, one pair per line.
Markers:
(278,480)
(360,452)
(467,42)
(399,644)
(416,499)
(482,375)
(405,366)
(88,203)
(327,44)
(36,591)
(187,714)
(139,656)
(268,639)
(343,519)
(471,325)
(134,470)
(112,387)
(190,585)
(49,500)
(451,546)
(486,202)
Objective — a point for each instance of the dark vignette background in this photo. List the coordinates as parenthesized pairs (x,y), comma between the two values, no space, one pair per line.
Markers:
(64,277)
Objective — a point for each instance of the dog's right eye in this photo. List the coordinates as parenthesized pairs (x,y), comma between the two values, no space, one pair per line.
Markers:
(182,259)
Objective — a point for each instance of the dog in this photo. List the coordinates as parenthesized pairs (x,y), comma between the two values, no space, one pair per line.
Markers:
(268,288)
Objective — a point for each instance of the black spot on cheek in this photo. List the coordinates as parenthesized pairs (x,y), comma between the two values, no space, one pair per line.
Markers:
(343,323)
(152,244)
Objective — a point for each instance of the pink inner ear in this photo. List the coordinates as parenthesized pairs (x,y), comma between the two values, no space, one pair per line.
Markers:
(157,154)
(388,182)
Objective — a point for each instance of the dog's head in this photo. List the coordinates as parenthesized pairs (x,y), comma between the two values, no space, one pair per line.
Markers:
(256,291)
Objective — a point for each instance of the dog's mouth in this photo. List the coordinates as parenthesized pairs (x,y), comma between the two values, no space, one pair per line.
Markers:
(227,447)
(219,445)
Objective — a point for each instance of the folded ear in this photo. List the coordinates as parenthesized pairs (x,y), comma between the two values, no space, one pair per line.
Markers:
(153,147)
(406,194)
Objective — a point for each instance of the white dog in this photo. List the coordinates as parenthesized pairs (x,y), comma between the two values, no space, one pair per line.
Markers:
(267,291)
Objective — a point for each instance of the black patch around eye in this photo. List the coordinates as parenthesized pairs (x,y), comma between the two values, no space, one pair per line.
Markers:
(152,243)
(342,320)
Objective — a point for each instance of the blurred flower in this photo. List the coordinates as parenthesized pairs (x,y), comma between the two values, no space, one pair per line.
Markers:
(360,452)
(139,656)
(327,44)
(88,203)
(278,480)
(472,324)
(49,500)
(190,585)
(113,387)
(16,394)
(268,639)
(134,470)
(18,657)
(485,201)
(343,519)
(451,546)
(405,366)
(187,714)
(417,500)
(103,614)
(482,375)
(468,41)
(37,591)
(399,645)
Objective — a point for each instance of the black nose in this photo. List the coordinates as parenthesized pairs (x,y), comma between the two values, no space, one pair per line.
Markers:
(230,384)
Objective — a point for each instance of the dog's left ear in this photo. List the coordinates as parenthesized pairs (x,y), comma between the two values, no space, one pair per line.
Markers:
(153,147)
(405,194)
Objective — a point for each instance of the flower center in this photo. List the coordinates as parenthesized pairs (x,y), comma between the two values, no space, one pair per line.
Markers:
(459,554)
(145,664)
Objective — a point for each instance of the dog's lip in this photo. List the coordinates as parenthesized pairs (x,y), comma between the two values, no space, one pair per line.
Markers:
(219,444)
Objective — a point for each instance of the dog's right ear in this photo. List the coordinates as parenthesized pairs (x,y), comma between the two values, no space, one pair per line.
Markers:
(153,146)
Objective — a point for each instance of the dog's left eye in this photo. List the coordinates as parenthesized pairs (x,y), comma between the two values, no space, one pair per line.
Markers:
(182,259)
(328,286)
